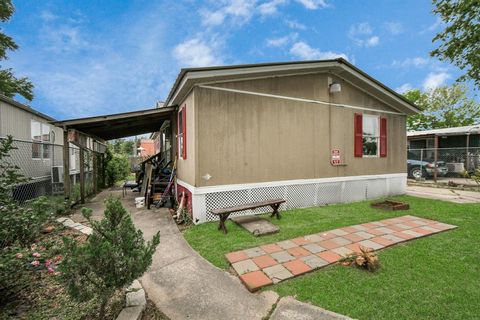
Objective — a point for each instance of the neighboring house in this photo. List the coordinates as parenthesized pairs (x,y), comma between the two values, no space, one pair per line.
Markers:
(313,133)
(451,145)
(147,148)
(39,147)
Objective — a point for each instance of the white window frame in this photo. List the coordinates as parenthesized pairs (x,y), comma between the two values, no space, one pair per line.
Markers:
(377,137)
(40,140)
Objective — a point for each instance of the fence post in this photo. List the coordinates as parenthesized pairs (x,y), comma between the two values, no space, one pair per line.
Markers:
(435,160)
(421,164)
(66,165)
(94,173)
(82,175)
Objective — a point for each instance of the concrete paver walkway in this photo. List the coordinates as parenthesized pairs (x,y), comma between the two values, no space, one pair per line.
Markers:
(267,264)
(185,286)
(457,196)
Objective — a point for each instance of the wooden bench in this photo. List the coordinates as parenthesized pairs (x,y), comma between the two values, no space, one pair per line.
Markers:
(223,213)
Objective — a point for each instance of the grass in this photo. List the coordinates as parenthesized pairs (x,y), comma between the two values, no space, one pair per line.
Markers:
(436,277)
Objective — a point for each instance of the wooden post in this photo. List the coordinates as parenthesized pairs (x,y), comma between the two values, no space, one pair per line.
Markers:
(94,173)
(173,128)
(66,165)
(82,175)
(435,160)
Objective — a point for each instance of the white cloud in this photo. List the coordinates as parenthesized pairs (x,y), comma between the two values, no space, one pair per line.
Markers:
(278,42)
(372,41)
(434,26)
(236,11)
(435,80)
(404,88)
(281,41)
(363,28)
(394,28)
(292,24)
(411,62)
(195,53)
(313,4)
(362,35)
(270,7)
(303,51)
(212,18)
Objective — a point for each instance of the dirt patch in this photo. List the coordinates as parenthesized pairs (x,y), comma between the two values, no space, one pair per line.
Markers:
(152,313)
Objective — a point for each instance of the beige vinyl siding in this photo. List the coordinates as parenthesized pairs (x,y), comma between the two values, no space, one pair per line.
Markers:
(246,139)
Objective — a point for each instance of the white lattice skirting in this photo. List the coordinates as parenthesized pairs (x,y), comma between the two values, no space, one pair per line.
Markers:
(298,193)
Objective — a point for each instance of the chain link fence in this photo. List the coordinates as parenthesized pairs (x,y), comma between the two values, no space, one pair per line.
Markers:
(442,162)
(42,165)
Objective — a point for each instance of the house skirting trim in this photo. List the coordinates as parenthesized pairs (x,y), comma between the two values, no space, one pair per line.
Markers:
(298,193)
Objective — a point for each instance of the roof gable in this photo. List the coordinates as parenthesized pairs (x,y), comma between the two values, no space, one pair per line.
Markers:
(191,77)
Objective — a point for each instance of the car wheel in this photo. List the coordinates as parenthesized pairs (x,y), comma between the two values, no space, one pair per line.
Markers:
(416,173)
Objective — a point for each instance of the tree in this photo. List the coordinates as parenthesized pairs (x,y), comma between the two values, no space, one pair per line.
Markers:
(460,41)
(443,107)
(113,256)
(9,84)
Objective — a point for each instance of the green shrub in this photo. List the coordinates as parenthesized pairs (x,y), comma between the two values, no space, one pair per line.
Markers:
(13,277)
(117,168)
(18,224)
(113,256)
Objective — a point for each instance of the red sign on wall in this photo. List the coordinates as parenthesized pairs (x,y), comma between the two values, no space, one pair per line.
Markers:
(335,157)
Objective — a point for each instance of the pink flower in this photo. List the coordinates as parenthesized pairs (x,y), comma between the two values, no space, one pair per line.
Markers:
(35,263)
(48,263)
(36,254)
(19,255)
(50,270)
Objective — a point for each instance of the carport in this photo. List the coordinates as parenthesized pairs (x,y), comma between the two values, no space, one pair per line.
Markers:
(91,134)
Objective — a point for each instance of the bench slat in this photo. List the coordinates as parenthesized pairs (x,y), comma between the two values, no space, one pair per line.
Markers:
(247,206)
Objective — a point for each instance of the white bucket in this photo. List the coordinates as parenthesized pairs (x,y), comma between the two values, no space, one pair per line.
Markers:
(139,202)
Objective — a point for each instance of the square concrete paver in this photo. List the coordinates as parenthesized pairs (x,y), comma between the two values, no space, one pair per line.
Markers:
(343,251)
(314,248)
(287,244)
(275,262)
(297,267)
(233,257)
(256,225)
(245,266)
(254,252)
(282,256)
(364,235)
(271,248)
(277,273)
(298,252)
(314,261)
(329,256)
(371,244)
(264,261)
(255,280)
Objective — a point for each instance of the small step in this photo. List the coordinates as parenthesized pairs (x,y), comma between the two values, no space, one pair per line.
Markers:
(256,225)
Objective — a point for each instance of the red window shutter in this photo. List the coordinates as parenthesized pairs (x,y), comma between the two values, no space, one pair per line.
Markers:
(383,137)
(358,138)
(184,128)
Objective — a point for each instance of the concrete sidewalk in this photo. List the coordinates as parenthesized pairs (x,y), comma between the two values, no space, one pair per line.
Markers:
(457,196)
(183,285)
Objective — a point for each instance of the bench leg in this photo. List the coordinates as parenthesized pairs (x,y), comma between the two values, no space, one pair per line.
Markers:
(221,225)
(275,211)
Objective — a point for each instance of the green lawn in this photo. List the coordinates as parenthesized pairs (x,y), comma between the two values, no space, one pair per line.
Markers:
(436,277)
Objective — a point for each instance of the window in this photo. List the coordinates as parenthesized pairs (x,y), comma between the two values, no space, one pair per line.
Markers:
(370,136)
(40,134)
(182,133)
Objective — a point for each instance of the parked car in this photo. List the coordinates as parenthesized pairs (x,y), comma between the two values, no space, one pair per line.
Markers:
(425,168)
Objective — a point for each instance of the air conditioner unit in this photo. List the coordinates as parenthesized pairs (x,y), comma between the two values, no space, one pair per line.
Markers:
(57,174)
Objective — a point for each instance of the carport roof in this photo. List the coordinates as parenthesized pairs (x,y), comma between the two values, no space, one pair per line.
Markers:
(119,125)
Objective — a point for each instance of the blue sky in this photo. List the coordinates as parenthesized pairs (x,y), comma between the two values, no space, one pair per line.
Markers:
(98,57)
